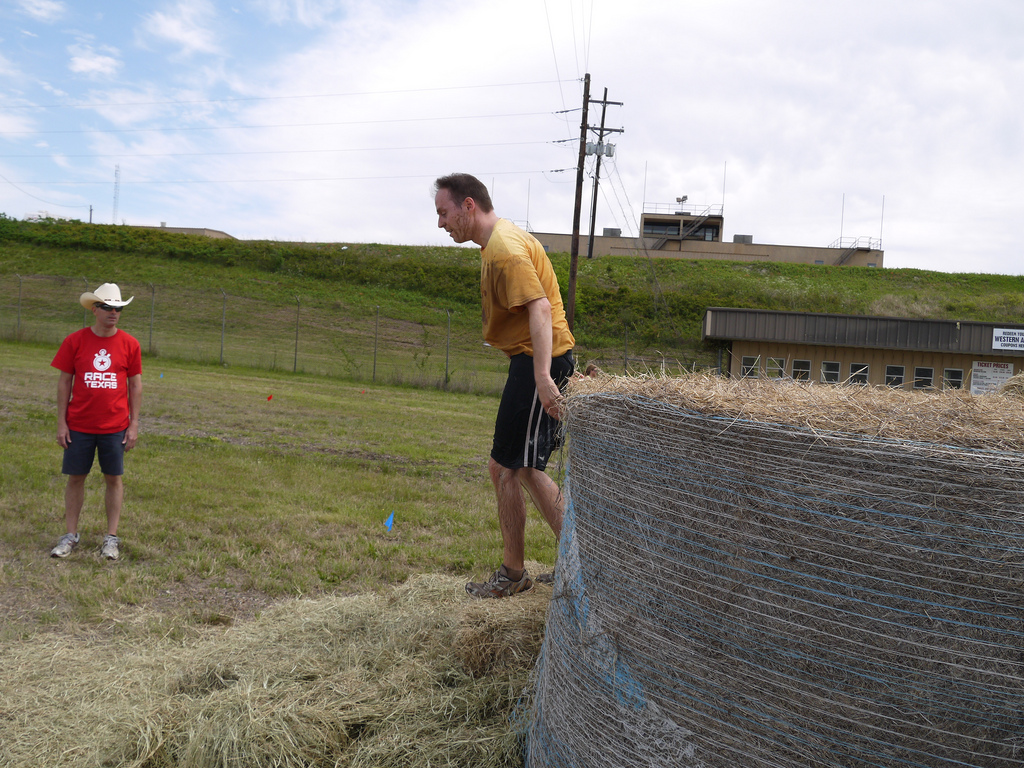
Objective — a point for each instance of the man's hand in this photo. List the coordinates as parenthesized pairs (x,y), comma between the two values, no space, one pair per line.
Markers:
(550,397)
(63,435)
(131,436)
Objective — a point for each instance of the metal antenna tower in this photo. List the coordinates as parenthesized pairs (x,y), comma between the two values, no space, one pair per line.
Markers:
(117,189)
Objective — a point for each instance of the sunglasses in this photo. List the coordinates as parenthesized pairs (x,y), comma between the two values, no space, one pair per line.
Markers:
(108,308)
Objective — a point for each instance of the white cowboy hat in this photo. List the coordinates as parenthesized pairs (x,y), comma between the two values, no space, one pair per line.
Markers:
(108,293)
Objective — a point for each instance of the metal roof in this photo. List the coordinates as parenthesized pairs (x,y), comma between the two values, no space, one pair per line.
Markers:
(956,336)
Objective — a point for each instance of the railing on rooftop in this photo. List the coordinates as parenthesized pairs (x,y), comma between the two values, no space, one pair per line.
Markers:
(688,209)
(866,243)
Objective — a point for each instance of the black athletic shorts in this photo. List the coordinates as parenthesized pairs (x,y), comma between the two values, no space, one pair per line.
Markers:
(524,435)
(78,456)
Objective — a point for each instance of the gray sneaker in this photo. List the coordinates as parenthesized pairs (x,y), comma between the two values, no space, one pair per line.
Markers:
(65,544)
(500,585)
(110,548)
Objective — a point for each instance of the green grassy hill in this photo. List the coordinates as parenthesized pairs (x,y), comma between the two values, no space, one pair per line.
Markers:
(648,308)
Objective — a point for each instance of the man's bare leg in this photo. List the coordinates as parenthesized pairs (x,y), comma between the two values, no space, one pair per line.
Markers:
(546,496)
(511,516)
(74,497)
(114,499)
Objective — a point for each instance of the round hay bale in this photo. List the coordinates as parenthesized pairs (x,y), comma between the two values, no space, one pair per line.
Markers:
(775,574)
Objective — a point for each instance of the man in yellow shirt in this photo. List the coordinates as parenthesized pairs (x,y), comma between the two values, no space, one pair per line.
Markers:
(524,318)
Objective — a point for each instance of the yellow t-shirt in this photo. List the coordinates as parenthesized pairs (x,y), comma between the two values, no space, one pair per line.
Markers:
(515,270)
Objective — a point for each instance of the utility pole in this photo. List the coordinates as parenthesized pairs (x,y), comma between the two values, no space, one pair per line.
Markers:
(600,149)
(574,248)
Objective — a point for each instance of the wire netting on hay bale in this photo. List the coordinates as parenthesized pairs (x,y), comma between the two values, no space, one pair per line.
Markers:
(762,574)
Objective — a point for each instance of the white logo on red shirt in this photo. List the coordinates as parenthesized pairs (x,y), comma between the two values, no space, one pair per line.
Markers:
(102,360)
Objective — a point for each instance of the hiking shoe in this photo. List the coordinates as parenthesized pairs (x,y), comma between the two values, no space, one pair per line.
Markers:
(65,544)
(500,585)
(110,548)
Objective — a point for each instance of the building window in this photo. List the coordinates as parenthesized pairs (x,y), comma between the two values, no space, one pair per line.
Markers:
(872,264)
(894,375)
(661,229)
(819,262)
(924,378)
(709,234)
(830,373)
(801,370)
(858,373)
(775,367)
(953,378)
(749,366)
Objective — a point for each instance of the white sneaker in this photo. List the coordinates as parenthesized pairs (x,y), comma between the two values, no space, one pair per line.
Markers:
(110,547)
(65,544)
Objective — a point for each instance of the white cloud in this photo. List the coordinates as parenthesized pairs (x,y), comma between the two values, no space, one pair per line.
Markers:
(49,88)
(817,110)
(43,10)
(7,69)
(188,25)
(87,61)
(309,13)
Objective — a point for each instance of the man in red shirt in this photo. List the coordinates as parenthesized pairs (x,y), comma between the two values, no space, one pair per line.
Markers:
(99,395)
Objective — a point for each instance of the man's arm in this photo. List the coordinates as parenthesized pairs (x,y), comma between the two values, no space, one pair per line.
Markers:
(131,435)
(63,398)
(541,335)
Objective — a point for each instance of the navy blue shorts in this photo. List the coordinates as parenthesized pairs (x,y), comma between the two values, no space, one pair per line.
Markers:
(524,434)
(79,454)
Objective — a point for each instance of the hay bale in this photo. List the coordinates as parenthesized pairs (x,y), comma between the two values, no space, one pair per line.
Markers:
(502,635)
(1013,387)
(765,574)
(369,680)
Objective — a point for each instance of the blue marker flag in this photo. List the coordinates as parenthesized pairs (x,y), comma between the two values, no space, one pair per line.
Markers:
(390,521)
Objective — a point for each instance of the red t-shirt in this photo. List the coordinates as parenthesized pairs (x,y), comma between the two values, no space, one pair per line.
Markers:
(101,366)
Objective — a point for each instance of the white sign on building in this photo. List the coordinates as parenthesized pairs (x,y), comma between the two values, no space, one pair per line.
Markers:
(988,377)
(1008,338)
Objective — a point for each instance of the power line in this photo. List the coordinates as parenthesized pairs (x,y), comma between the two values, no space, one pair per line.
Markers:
(431,175)
(34,197)
(237,99)
(286,151)
(278,125)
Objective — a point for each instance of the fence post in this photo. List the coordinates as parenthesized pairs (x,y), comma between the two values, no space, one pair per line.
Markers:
(447,347)
(376,328)
(223,324)
(17,330)
(152,311)
(295,365)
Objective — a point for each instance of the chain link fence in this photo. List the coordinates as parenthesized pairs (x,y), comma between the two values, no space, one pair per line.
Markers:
(286,333)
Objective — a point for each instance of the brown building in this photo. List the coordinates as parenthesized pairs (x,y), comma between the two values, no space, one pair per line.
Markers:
(859,349)
(683,231)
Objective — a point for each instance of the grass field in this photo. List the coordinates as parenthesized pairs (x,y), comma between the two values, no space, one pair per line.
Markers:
(413,313)
(246,487)
(262,612)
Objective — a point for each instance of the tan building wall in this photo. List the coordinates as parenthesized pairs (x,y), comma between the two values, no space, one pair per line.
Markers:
(200,231)
(876,359)
(700,249)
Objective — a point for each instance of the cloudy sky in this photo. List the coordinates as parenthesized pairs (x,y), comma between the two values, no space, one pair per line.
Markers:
(328,120)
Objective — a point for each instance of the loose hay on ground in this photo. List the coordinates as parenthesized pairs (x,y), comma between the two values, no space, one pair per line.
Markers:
(371,680)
